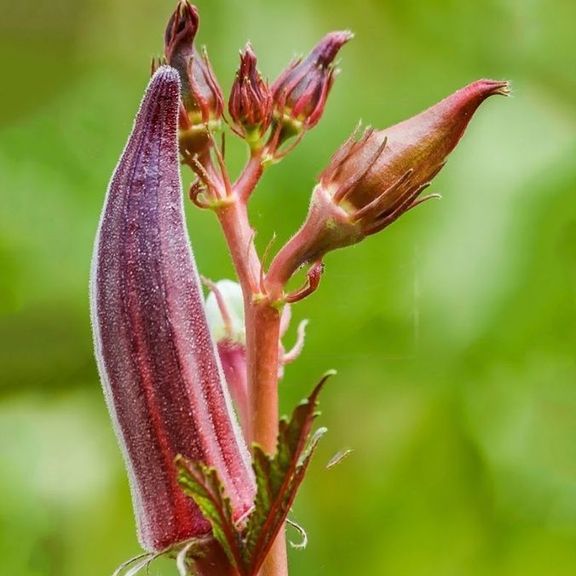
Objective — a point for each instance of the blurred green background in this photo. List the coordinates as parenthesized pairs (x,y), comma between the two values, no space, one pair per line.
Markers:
(454,331)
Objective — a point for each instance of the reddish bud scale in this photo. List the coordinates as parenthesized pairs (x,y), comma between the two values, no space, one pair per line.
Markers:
(302,89)
(158,365)
(372,181)
(420,144)
(181,31)
(201,94)
(250,103)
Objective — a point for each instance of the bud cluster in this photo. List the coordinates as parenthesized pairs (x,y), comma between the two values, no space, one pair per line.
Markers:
(291,106)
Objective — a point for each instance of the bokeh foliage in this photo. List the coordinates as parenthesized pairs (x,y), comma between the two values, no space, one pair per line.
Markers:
(454,332)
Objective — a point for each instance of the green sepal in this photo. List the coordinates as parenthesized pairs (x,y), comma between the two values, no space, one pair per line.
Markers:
(203,485)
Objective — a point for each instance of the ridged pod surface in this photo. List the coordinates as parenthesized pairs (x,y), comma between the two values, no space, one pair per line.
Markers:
(158,364)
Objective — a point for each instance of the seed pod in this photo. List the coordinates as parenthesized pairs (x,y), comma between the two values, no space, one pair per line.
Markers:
(158,365)
(372,181)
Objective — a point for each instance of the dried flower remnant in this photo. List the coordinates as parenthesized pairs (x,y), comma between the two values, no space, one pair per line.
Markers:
(250,103)
(301,91)
(202,101)
(372,181)
(157,362)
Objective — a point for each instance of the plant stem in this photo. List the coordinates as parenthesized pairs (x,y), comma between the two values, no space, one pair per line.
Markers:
(240,239)
(276,563)
(262,335)
(249,177)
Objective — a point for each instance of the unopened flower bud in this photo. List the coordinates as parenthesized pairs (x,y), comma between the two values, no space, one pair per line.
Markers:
(250,103)
(225,311)
(157,362)
(301,91)
(201,95)
(372,181)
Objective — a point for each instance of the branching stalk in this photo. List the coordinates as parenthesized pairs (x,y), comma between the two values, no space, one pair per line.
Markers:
(262,334)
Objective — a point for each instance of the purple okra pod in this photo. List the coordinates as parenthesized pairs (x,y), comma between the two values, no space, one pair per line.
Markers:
(158,364)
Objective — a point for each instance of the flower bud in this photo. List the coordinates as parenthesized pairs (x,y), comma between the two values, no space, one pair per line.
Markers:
(300,92)
(201,94)
(372,181)
(225,311)
(158,365)
(250,103)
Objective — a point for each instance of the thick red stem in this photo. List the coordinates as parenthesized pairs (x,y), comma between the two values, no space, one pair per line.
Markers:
(262,335)
(240,239)
(250,176)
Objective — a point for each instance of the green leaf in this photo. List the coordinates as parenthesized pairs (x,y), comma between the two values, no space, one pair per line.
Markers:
(204,486)
(279,476)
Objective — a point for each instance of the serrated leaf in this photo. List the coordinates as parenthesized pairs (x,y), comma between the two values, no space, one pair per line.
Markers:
(204,486)
(279,476)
